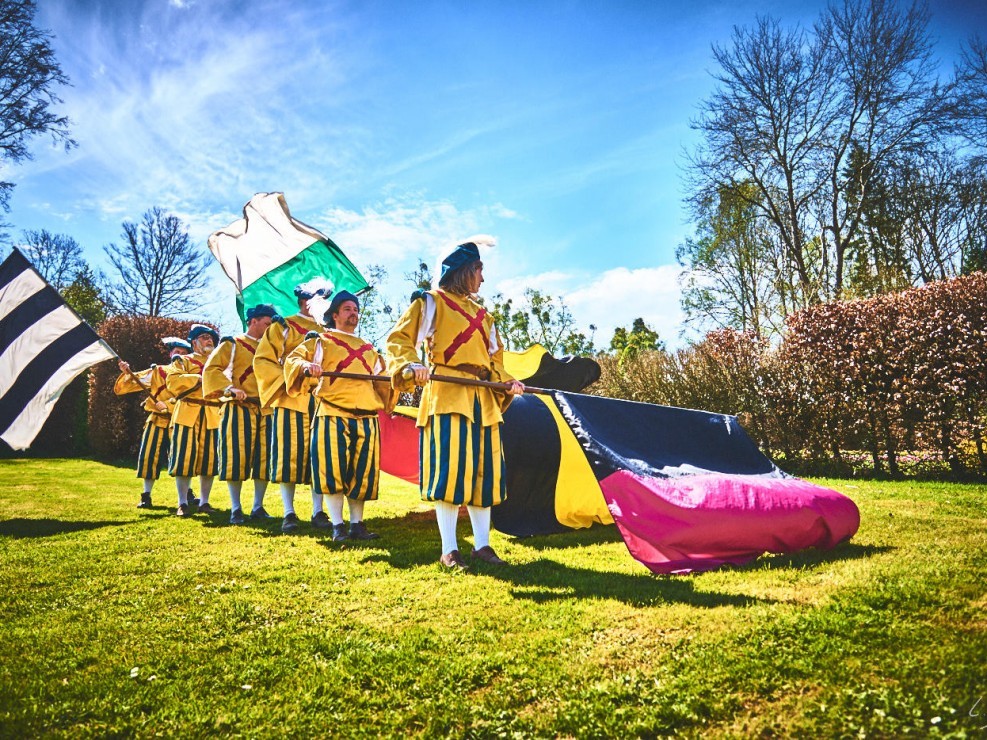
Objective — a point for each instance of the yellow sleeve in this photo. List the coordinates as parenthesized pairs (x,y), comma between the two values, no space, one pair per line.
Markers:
(267,364)
(178,381)
(401,349)
(128,383)
(296,382)
(214,380)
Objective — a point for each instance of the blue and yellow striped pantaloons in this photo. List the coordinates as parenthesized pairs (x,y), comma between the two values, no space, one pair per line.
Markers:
(345,456)
(153,455)
(193,449)
(288,453)
(244,439)
(461,461)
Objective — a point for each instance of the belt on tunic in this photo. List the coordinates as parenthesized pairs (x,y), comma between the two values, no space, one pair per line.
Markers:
(355,412)
(477,371)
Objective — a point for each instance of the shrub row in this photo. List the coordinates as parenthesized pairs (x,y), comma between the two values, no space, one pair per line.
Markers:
(900,377)
(116,422)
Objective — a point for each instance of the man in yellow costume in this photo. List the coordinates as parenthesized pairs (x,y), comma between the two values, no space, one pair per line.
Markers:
(244,427)
(193,422)
(154,441)
(288,463)
(345,446)
(461,457)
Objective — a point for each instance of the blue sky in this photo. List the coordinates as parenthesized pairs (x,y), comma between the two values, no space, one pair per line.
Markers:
(396,127)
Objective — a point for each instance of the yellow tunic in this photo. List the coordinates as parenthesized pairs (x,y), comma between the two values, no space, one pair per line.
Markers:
(184,379)
(339,352)
(451,339)
(151,382)
(276,344)
(232,364)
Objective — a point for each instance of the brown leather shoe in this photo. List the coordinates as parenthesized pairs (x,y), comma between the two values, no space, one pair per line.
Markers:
(487,555)
(453,560)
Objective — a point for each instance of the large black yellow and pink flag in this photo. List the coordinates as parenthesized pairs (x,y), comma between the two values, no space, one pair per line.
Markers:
(688,490)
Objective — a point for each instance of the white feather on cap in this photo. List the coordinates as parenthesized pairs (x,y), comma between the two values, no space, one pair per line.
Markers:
(316,285)
(480,240)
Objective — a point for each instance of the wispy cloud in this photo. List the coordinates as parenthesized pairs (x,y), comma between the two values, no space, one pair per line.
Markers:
(195,104)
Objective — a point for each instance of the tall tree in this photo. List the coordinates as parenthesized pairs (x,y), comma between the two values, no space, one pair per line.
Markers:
(29,75)
(162,273)
(85,295)
(733,266)
(971,92)
(888,106)
(641,338)
(57,257)
(811,120)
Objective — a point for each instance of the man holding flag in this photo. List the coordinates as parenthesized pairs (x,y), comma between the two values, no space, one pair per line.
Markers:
(288,458)
(245,428)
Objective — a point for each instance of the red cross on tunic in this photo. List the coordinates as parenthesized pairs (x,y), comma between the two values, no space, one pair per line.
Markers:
(351,357)
(300,329)
(163,375)
(475,324)
(250,368)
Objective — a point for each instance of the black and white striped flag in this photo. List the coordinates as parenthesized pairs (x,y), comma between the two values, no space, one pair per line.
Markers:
(44,345)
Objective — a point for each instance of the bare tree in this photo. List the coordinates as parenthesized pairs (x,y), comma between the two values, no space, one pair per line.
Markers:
(971,77)
(56,256)
(29,74)
(162,273)
(888,105)
(811,120)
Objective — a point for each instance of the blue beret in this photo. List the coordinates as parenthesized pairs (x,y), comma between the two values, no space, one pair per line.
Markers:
(461,256)
(338,300)
(198,330)
(176,343)
(260,311)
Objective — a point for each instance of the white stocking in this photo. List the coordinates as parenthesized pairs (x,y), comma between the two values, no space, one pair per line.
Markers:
(447,516)
(480,519)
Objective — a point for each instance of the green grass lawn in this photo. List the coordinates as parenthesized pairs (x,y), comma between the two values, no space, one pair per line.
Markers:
(125,622)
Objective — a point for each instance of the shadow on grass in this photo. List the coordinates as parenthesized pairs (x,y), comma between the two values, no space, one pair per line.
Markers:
(24,528)
(546,580)
(814,557)
(595,535)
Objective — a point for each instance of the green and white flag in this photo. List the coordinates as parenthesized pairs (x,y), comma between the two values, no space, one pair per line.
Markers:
(267,253)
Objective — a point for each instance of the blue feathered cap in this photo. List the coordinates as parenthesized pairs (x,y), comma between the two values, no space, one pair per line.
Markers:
(311,288)
(464,254)
(198,330)
(338,300)
(260,311)
(176,343)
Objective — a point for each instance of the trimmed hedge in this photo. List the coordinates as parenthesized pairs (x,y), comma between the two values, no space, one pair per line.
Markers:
(900,377)
(116,422)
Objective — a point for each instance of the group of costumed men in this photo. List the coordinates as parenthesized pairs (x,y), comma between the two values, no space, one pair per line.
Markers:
(272,405)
